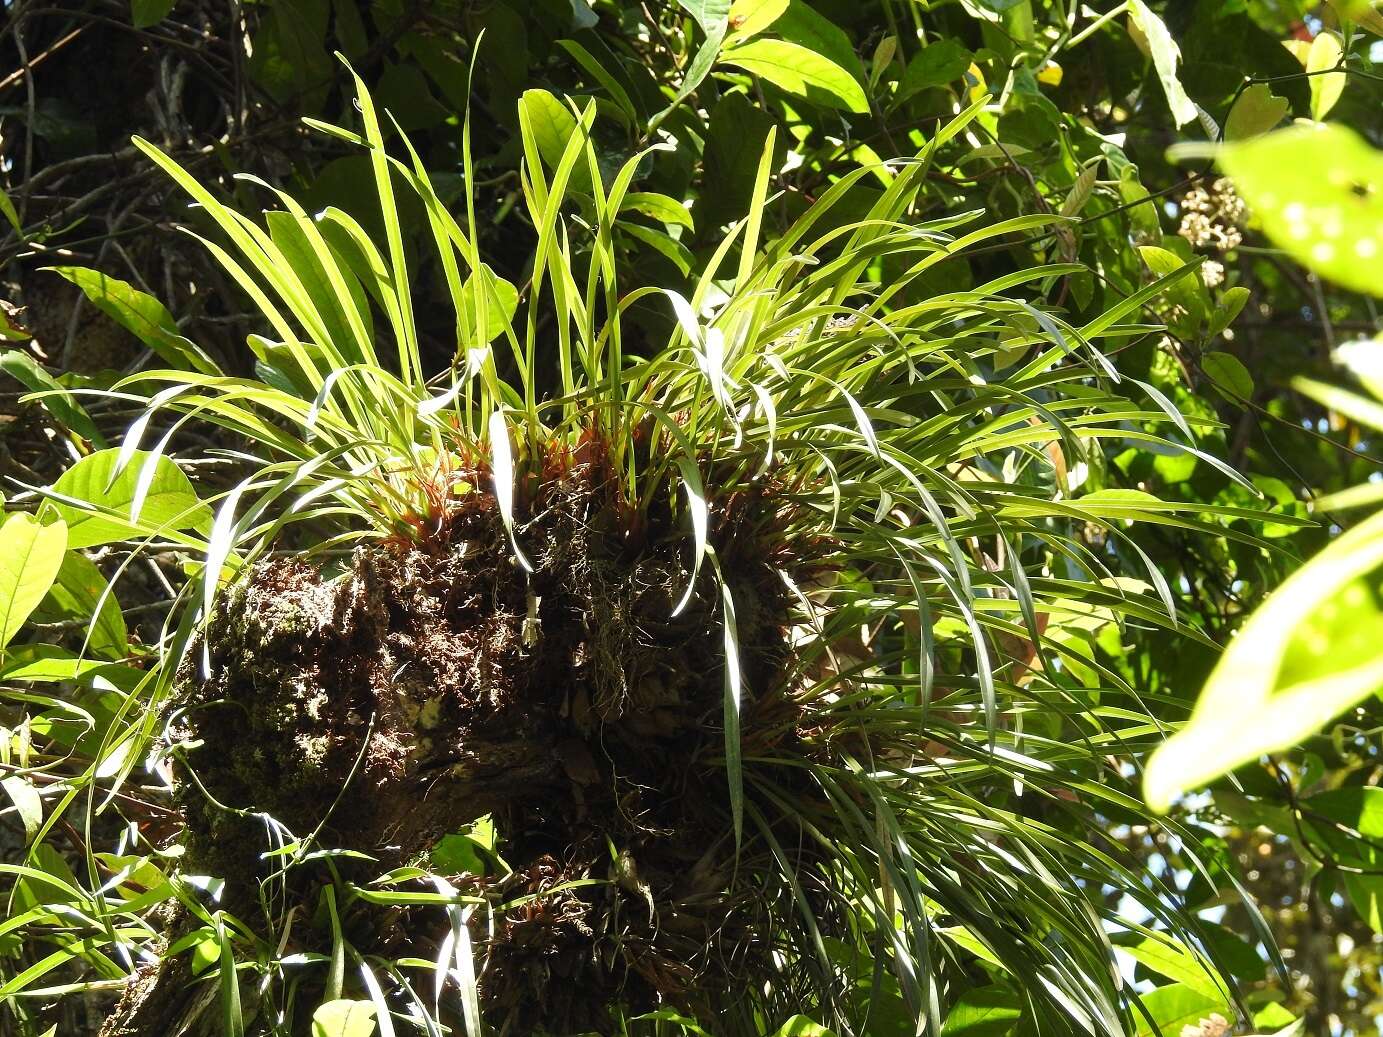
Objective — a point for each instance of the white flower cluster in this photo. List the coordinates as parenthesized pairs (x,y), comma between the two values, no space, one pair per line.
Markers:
(1212,217)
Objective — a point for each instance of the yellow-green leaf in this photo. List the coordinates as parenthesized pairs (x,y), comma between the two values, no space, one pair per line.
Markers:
(344,1018)
(751,17)
(1257,111)
(1324,53)
(799,71)
(169,502)
(1326,215)
(1175,1006)
(1309,653)
(1165,55)
(30,557)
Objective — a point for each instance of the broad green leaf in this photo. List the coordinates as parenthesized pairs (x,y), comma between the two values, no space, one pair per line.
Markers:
(991,1011)
(1228,374)
(1188,293)
(940,63)
(751,17)
(47,664)
(144,13)
(290,60)
(170,501)
(799,71)
(1231,302)
(1165,55)
(141,314)
(73,596)
(659,206)
(1274,1015)
(1142,214)
(801,24)
(1175,1006)
(734,146)
(1308,653)
(1257,111)
(1177,962)
(553,125)
(1324,53)
(460,852)
(1360,811)
(30,557)
(501,303)
(1326,215)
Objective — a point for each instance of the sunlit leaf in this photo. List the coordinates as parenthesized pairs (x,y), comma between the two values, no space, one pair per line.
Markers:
(801,1026)
(1307,654)
(799,71)
(751,17)
(1175,1006)
(344,1018)
(1165,55)
(1324,53)
(1356,846)
(1179,963)
(169,502)
(30,557)
(1326,215)
(1228,374)
(27,803)
(990,1011)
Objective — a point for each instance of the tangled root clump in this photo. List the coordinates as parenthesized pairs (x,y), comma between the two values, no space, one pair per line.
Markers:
(426,686)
